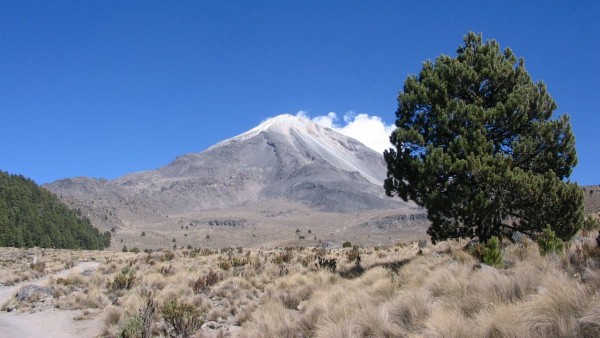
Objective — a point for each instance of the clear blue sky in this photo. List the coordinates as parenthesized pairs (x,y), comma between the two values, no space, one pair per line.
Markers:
(104,88)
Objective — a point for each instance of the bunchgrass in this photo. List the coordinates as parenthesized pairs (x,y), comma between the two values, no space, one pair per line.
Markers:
(401,291)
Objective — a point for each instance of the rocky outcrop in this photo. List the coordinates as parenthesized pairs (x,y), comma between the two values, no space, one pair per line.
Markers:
(29,291)
(404,222)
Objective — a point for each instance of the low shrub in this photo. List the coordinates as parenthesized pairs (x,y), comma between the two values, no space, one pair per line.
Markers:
(285,257)
(492,254)
(237,262)
(549,243)
(353,255)
(169,255)
(224,265)
(327,264)
(203,283)
(590,224)
(38,266)
(132,327)
(183,318)
(123,280)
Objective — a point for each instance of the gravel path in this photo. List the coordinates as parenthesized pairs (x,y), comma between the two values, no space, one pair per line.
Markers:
(51,323)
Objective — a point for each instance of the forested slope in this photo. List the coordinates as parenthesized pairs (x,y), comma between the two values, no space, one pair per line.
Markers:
(32,216)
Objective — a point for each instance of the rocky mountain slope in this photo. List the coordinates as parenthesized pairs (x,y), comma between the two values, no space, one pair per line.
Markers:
(286,161)
(591,199)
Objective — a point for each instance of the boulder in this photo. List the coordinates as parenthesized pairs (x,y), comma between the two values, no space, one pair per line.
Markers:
(26,292)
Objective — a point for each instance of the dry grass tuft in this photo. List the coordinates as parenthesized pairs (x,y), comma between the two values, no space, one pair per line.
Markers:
(272,320)
(589,322)
(554,310)
(397,291)
(410,310)
(448,323)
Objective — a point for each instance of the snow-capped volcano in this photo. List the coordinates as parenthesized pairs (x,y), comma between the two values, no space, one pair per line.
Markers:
(285,158)
(306,137)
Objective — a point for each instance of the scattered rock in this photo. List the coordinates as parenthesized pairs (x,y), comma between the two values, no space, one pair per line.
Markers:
(87,272)
(509,263)
(10,309)
(26,292)
(211,325)
(518,237)
(471,245)
(406,222)
(329,245)
(485,267)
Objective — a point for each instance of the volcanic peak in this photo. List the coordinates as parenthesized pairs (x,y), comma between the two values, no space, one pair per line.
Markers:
(283,124)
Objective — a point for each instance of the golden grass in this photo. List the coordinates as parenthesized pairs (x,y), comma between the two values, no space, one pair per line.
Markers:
(395,292)
(272,320)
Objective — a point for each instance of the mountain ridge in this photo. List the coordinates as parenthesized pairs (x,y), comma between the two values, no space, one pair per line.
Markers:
(286,160)
(282,148)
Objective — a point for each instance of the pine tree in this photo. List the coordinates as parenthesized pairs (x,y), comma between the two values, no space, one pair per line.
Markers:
(476,145)
(32,216)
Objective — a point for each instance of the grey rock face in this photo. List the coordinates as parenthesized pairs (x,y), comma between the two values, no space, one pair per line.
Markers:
(286,157)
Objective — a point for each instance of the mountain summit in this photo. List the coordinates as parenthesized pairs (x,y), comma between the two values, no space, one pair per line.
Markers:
(308,141)
(286,159)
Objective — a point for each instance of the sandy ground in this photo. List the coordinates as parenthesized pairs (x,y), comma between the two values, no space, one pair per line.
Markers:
(50,323)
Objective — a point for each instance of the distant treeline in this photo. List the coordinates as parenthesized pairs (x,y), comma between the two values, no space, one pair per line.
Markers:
(32,216)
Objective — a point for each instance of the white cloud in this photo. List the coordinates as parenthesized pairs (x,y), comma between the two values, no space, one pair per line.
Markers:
(372,131)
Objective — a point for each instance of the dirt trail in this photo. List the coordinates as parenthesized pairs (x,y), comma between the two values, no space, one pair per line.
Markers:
(51,323)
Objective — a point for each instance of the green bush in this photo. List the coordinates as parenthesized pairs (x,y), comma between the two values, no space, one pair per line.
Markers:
(132,327)
(237,262)
(283,257)
(183,318)
(492,254)
(590,224)
(346,245)
(123,280)
(549,243)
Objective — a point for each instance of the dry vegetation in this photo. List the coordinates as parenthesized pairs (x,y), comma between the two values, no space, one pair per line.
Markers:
(401,291)
(21,265)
